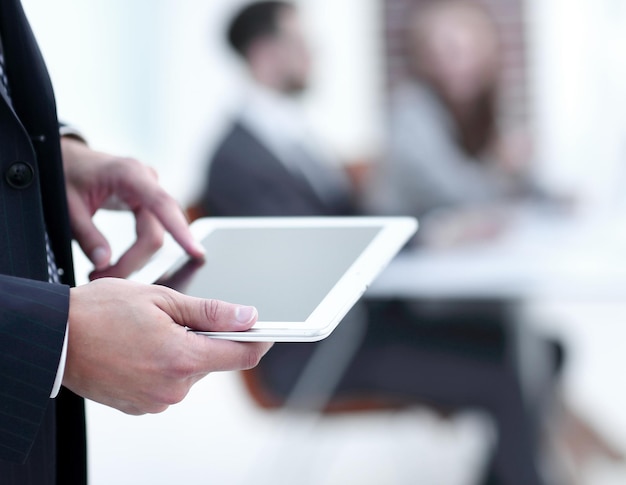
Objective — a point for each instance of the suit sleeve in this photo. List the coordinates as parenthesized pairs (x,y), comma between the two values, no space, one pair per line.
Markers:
(33,319)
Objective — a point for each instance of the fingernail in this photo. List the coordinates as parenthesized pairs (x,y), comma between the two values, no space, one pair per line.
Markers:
(99,256)
(245,314)
(199,248)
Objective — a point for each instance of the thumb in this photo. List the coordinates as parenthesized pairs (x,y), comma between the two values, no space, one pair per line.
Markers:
(209,315)
(91,240)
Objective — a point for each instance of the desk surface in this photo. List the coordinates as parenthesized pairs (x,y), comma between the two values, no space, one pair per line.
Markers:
(540,255)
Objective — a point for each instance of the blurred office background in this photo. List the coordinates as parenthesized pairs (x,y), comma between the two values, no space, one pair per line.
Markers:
(152,79)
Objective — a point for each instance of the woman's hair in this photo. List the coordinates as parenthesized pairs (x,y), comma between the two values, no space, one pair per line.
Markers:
(476,122)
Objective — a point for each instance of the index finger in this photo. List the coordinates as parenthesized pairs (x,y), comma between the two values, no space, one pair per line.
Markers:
(171,216)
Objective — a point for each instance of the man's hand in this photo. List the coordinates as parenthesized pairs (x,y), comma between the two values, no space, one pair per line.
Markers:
(96,180)
(129,348)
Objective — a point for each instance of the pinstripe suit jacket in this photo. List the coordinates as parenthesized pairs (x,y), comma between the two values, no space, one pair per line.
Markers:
(33,313)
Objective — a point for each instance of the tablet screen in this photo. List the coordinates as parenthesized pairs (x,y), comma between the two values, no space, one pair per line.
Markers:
(284,271)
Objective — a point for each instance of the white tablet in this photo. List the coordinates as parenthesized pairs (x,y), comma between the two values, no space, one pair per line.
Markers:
(302,274)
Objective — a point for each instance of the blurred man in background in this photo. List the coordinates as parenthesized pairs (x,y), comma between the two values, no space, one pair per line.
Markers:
(268,163)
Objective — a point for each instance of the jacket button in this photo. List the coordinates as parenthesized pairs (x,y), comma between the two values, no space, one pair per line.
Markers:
(20,175)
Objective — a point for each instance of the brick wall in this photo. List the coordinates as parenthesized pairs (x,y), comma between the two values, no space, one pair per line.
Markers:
(510,20)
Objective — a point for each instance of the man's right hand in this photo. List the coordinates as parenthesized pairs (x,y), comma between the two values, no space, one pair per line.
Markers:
(129,348)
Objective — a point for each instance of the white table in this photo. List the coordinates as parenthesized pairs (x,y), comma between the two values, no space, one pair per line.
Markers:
(540,255)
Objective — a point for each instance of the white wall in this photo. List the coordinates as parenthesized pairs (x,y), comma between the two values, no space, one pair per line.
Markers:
(99,57)
(578,53)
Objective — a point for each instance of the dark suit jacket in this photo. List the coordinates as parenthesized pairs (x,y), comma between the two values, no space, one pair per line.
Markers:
(33,313)
(246,179)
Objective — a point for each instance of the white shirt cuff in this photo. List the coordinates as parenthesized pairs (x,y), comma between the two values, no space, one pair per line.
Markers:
(61,369)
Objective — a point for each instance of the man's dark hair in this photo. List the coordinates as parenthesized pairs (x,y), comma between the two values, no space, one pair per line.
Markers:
(254,21)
